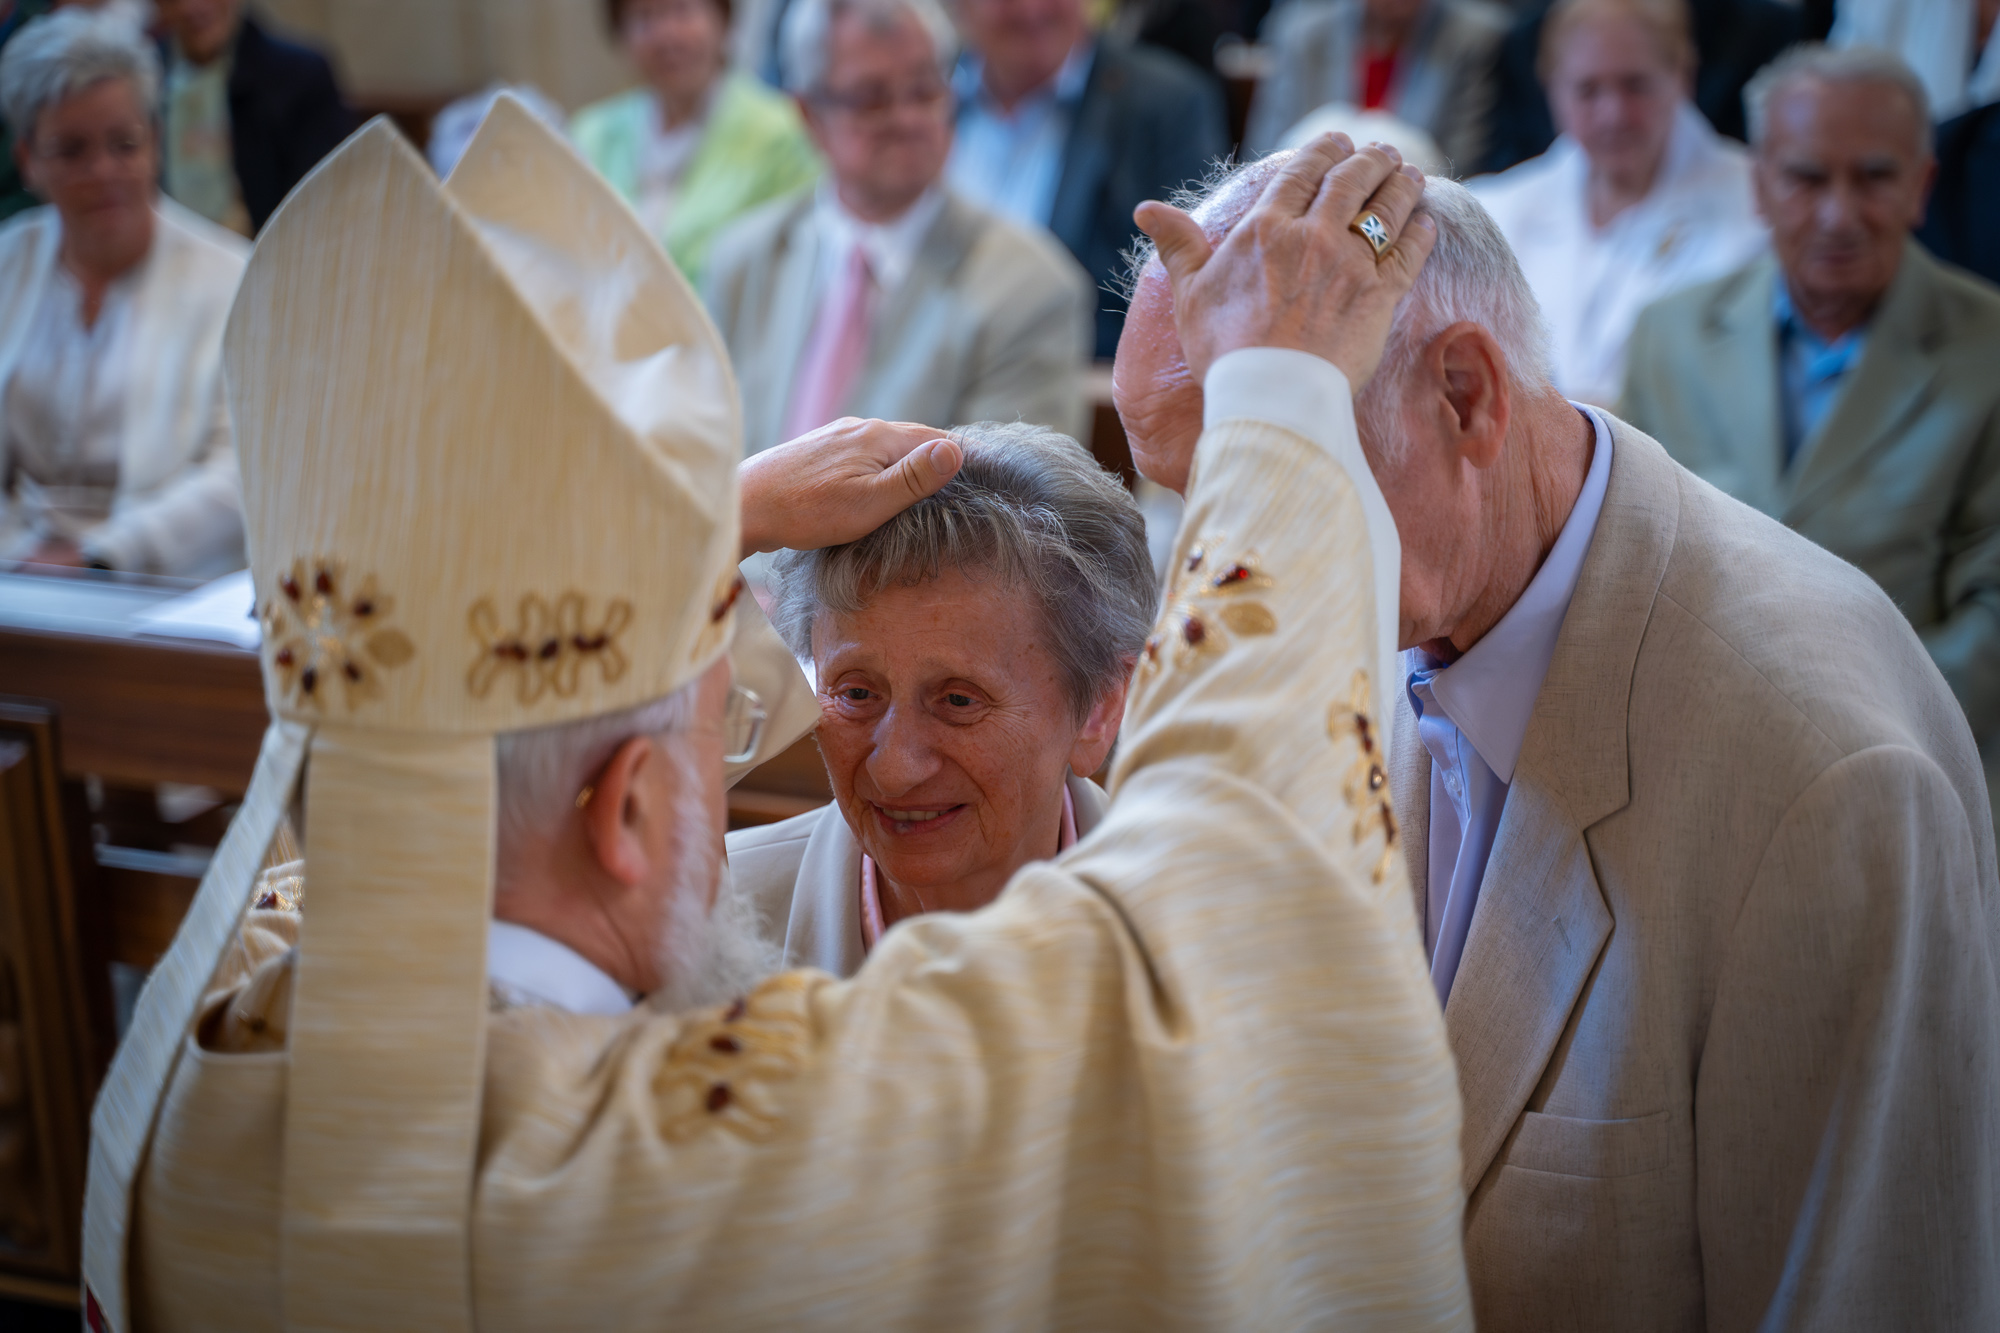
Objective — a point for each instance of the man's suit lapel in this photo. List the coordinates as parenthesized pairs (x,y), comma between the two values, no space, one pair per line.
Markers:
(793,308)
(1738,357)
(1087,152)
(1542,921)
(1410,798)
(1890,381)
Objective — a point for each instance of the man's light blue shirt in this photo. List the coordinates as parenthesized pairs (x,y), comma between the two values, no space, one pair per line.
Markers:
(1811,371)
(1472,716)
(1011,161)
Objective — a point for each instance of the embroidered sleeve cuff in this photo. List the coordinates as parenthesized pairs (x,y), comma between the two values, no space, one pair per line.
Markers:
(1310,397)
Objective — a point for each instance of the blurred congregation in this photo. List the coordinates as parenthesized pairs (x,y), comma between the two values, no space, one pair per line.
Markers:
(1752,226)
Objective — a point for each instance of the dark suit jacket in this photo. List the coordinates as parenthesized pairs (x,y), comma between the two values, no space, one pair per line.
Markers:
(1733,40)
(285,114)
(1148,123)
(1963,225)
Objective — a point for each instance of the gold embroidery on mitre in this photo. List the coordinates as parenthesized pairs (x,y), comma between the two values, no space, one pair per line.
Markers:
(547,647)
(722,1068)
(1366,787)
(1205,599)
(321,632)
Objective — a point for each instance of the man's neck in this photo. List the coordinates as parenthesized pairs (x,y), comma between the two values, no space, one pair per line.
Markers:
(95,268)
(1608,194)
(1553,450)
(1832,315)
(877,210)
(1010,87)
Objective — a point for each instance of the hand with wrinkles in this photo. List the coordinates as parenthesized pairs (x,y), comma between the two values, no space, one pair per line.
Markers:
(841,482)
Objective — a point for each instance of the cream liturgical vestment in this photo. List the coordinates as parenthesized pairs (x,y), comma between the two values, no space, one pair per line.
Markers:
(1190,1074)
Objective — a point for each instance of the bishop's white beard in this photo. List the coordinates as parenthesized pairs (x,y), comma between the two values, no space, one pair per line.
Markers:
(710,955)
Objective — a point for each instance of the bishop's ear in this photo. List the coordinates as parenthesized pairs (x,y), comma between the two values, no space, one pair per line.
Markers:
(620,807)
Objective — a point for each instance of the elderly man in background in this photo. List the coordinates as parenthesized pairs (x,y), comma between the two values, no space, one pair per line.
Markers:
(697,144)
(972,656)
(1638,199)
(883,293)
(1187,1076)
(1426,62)
(114,438)
(1846,385)
(245,114)
(1062,128)
(1698,840)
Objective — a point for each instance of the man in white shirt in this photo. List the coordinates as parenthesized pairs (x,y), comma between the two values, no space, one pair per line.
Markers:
(1698,842)
(1637,199)
(881,293)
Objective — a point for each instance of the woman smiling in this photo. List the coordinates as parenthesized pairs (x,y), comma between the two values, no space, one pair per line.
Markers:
(972,657)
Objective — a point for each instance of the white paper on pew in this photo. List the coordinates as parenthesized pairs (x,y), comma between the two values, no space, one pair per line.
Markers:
(219,612)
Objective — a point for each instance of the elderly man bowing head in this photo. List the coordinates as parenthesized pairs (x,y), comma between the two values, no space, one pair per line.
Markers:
(1697,834)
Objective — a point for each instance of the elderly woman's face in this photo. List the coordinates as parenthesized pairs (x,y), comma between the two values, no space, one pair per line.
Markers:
(947,734)
(93,156)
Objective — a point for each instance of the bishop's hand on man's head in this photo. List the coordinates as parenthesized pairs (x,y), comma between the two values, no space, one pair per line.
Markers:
(1294,273)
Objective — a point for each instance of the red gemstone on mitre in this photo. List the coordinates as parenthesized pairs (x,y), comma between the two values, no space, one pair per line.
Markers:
(1365,732)
(323,582)
(718,1098)
(550,647)
(725,1043)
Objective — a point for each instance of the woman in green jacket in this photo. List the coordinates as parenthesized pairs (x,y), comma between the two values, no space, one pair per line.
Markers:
(696,145)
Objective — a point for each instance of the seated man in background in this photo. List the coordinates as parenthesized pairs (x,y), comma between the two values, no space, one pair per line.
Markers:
(1061,128)
(245,115)
(1847,384)
(972,656)
(1639,198)
(1069,1108)
(883,293)
(1427,62)
(1698,841)
(696,145)
(114,438)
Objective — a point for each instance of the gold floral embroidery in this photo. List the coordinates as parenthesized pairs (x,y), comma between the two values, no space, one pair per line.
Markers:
(1366,787)
(547,647)
(321,633)
(1206,598)
(722,1068)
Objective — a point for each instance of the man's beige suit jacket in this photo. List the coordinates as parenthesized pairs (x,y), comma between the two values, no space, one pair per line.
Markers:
(1727,1023)
(804,874)
(992,323)
(1190,1074)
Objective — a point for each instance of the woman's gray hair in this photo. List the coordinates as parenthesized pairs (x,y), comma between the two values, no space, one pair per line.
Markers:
(1471,275)
(541,770)
(67,52)
(1029,506)
(1835,64)
(805,38)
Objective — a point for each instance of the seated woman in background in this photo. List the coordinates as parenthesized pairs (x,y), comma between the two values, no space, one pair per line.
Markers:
(972,656)
(115,446)
(696,145)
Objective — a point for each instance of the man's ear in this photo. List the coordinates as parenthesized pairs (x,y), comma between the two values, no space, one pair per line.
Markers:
(1100,727)
(617,809)
(1477,393)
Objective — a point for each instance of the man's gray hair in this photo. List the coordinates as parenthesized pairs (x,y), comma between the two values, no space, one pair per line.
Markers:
(68,52)
(804,41)
(1835,64)
(1029,506)
(1471,276)
(543,769)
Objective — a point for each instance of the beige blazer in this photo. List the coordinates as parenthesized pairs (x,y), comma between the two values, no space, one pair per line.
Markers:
(1727,1022)
(804,874)
(1903,477)
(992,323)
(1190,1074)
(179,507)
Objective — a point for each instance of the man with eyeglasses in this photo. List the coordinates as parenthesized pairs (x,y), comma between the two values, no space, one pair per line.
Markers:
(881,292)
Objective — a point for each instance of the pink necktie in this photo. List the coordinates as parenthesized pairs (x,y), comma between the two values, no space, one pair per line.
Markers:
(837,350)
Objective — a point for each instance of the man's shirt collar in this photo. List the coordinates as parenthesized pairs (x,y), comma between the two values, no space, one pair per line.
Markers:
(1489,693)
(1066,89)
(527,967)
